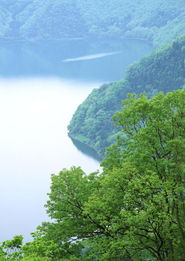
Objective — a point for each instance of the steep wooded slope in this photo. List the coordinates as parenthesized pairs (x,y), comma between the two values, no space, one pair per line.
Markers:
(164,70)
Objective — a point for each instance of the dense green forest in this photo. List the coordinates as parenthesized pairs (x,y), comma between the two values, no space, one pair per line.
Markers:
(134,210)
(163,70)
(158,21)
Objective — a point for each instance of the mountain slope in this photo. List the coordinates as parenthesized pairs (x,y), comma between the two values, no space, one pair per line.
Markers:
(163,70)
(158,21)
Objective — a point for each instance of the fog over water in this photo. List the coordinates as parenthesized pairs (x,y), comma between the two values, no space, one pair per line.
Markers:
(39,93)
(33,145)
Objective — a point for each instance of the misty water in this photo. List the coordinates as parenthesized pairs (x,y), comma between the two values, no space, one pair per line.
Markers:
(41,85)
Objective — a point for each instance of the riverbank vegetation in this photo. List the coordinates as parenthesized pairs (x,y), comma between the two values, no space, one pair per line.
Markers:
(133,210)
(163,70)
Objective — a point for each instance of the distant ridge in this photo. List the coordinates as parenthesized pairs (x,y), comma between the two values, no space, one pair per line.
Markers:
(157,21)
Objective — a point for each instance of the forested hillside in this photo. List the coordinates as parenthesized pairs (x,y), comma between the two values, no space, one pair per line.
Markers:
(158,21)
(163,70)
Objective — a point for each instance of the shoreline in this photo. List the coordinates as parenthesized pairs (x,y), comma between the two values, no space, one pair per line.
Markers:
(85,148)
(89,37)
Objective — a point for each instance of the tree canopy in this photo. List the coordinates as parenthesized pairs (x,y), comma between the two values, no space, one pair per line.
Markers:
(133,210)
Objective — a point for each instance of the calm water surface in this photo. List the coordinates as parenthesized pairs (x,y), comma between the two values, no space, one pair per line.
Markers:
(34,144)
(41,85)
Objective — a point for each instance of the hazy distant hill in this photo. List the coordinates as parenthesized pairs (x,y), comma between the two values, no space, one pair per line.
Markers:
(158,21)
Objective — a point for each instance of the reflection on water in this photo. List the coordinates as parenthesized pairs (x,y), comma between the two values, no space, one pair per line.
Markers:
(46,58)
(34,144)
(90,57)
(86,150)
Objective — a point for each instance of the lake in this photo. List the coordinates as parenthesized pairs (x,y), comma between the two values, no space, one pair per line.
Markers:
(41,85)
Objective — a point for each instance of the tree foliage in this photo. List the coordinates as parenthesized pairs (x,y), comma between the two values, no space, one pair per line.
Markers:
(135,209)
(157,21)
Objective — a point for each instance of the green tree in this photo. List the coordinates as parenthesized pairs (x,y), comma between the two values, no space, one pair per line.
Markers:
(152,157)
(40,249)
(136,209)
(70,190)
(11,249)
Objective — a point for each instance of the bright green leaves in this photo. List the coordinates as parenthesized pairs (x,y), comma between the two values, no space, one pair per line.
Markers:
(11,249)
(70,190)
(135,209)
(41,248)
